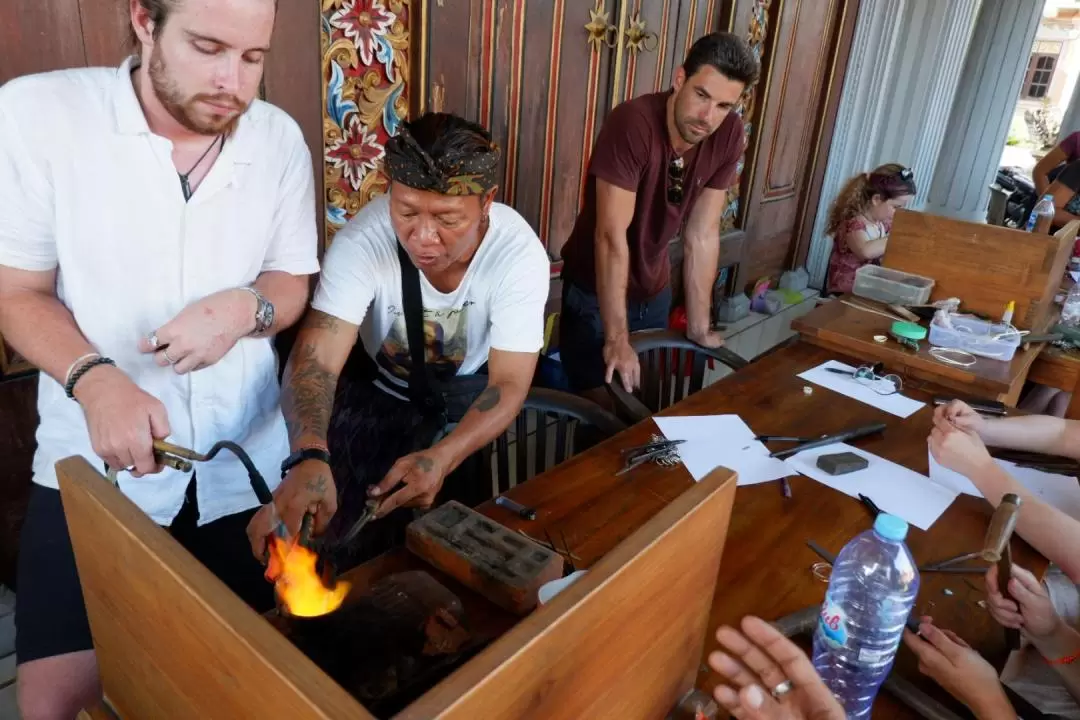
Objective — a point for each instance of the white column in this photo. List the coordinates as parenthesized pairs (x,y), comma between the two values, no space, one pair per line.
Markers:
(979,124)
(902,78)
(1070,121)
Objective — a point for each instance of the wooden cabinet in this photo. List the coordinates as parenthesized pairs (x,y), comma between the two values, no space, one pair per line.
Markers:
(543,74)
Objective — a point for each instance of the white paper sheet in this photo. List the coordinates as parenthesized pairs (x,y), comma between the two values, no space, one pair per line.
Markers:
(1061,491)
(721,440)
(896,404)
(951,479)
(896,490)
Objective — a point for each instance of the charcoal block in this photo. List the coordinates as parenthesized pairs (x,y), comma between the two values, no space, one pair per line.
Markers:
(498,563)
(842,463)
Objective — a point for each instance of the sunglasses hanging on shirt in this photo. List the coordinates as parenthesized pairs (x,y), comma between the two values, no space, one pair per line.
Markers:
(675,171)
(185,184)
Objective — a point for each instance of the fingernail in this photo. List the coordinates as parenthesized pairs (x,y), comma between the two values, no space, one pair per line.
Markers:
(373,491)
(754,697)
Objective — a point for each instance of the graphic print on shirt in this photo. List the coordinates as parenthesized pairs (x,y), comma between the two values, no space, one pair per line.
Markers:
(445,342)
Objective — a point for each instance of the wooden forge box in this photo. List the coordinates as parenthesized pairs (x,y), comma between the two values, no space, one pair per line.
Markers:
(624,641)
(985,266)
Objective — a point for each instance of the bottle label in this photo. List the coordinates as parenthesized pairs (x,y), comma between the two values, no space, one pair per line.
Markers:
(833,624)
(868,655)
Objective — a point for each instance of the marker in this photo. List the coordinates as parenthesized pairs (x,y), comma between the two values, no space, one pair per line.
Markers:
(526,513)
(1006,319)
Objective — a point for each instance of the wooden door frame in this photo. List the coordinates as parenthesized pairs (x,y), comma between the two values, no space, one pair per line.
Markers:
(841,55)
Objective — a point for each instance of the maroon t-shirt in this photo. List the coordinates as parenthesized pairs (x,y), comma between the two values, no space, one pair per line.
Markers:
(1071,146)
(633,152)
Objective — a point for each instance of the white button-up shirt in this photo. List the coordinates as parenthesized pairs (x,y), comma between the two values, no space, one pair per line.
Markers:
(87,188)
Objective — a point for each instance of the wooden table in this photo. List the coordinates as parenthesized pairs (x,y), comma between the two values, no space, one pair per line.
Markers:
(850,331)
(766,567)
(1059,369)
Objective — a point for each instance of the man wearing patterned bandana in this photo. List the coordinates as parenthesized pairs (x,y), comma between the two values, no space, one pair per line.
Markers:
(483,278)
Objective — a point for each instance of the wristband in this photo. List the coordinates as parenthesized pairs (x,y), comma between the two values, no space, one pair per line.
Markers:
(308,453)
(69,386)
(1065,660)
(79,361)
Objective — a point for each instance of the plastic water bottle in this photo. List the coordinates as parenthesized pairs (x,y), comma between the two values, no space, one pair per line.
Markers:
(1070,309)
(1042,215)
(871,592)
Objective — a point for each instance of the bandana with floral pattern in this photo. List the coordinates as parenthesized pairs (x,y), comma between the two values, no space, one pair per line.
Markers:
(456,173)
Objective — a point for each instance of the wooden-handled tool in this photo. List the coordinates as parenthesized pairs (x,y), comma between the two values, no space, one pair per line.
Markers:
(997,549)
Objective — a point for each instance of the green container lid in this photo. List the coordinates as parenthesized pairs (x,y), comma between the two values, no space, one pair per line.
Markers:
(909,331)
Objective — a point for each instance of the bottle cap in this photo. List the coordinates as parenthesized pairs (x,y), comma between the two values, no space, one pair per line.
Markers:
(890,527)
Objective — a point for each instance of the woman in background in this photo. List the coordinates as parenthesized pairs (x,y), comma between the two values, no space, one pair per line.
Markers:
(1053,162)
(861,218)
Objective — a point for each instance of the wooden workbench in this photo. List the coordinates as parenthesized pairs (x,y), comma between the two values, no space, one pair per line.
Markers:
(766,565)
(766,569)
(844,329)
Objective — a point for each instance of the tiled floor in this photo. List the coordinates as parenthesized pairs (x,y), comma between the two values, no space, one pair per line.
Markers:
(8,711)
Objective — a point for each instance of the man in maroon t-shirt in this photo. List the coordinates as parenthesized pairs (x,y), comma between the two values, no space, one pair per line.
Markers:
(662,163)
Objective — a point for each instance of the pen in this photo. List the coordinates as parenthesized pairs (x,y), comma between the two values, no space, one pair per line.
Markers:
(526,513)
(870,505)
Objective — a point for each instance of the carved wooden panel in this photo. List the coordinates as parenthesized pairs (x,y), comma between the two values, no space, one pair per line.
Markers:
(528,71)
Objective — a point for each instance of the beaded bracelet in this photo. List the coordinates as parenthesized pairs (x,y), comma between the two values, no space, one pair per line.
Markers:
(69,387)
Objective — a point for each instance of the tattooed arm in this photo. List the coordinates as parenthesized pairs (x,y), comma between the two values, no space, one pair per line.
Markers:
(509,376)
(322,346)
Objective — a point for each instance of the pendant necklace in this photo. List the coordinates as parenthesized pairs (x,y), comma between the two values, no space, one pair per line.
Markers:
(185,185)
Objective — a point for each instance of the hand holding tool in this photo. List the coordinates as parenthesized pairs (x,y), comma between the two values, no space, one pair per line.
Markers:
(997,548)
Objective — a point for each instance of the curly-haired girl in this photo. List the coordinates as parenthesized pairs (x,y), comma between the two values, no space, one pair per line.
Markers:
(860,220)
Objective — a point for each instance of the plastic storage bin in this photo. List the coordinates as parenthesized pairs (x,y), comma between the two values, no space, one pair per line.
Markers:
(892,287)
(976,337)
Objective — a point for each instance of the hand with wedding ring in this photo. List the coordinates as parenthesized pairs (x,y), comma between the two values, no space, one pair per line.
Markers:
(769,677)
(203,332)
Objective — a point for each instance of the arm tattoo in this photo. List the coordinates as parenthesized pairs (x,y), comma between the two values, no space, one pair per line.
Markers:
(308,397)
(318,320)
(424,463)
(488,399)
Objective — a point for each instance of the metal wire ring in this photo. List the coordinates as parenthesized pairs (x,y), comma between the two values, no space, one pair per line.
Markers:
(822,571)
(165,352)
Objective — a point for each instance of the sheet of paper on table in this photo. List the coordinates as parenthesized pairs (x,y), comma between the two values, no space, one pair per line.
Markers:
(1061,491)
(895,489)
(895,404)
(721,440)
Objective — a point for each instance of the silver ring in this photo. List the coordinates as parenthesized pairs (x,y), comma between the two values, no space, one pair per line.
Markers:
(153,340)
(782,689)
(165,352)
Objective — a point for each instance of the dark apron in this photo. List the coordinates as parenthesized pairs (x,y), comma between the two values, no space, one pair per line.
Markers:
(370,430)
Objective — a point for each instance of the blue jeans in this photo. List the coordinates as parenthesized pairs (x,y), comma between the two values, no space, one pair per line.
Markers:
(581,332)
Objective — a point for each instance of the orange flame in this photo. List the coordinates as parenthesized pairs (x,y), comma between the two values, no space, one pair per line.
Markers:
(298,585)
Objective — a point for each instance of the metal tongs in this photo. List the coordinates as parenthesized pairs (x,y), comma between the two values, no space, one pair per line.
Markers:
(643,453)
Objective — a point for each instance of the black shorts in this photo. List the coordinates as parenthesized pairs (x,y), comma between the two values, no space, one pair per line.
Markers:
(50,616)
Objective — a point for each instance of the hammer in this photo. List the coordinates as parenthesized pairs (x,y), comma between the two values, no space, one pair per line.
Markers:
(997,549)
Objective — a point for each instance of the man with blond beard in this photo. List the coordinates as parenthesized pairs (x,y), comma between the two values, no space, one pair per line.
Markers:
(157,230)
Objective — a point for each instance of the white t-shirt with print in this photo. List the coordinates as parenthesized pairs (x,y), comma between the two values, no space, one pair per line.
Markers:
(499,303)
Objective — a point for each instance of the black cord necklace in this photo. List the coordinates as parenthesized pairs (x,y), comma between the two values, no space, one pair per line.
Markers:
(184,184)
